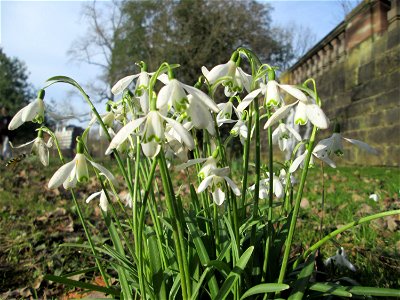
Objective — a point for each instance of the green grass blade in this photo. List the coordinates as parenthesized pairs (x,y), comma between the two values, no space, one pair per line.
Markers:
(83,285)
(265,288)
(234,275)
(303,278)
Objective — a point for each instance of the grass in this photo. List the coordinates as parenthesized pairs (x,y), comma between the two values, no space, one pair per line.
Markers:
(34,221)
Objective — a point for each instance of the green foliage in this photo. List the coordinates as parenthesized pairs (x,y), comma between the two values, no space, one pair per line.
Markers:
(15,91)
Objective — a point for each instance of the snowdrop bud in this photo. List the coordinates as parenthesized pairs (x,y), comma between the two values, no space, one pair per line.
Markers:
(41,94)
(271,74)
(79,145)
(215,153)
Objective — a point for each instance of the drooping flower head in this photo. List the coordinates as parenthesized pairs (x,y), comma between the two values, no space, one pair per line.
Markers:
(77,171)
(37,147)
(33,112)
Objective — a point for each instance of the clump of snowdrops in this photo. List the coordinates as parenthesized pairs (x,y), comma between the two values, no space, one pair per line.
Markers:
(224,236)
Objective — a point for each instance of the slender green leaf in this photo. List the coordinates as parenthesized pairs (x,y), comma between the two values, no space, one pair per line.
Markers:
(265,288)
(156,266)
(234,275)
(330,288)
(175,287)
(202,253)
(302,280)
(83,285)
(221,266)
(199,284)
(373,291)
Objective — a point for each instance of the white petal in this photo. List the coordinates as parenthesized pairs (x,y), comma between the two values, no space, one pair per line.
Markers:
(201,96)
(124,133)
(205,183)
(328,161)
(218,196)
(294,132)
(71,181)
(184,134)
(220,172)
(245,78)
(363,146)
(151,149)
(190,162)
(278,188)
(154,127)
(316,115)
(205,71)
(273,97)
(26,145)
(82,172)
(217,72)
(295,92)
(30,111)
(248,99)
(279,114)
(61,175)
(233,186)
(300,116)
(105,172)
(103,201)
(42,151)
(163,78)
(164,95)
(16,121)
(296,163)
(122,84)
(92,196)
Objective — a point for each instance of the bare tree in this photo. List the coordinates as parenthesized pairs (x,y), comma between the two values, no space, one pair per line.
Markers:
(96,47)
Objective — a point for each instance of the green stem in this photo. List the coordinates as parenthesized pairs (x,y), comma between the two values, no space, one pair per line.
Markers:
(268,242)
(246,155)
(92,247)
(289,239)
(342,229)
(170,199)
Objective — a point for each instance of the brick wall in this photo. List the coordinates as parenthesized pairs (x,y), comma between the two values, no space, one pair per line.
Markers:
(357,70)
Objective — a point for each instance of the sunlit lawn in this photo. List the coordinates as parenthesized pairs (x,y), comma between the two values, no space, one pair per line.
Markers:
(34,221)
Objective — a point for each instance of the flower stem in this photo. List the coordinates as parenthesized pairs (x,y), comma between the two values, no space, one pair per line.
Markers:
(289,239)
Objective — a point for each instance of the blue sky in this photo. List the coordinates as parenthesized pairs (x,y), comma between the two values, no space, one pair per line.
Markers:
(41,32)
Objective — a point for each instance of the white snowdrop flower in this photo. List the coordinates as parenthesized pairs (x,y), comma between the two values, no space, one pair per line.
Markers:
(37,147)
(240,129)
(334,145)
(199,115)
(305,110)
(123,83)
(34,112)
(107,118)
(282,134)
(152,133)
(225,114)
(340,260)
(215,180)
(234,78)
(273,97)
(103,199)
(77,171)
(264,188)
(374,197)
(174,94)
